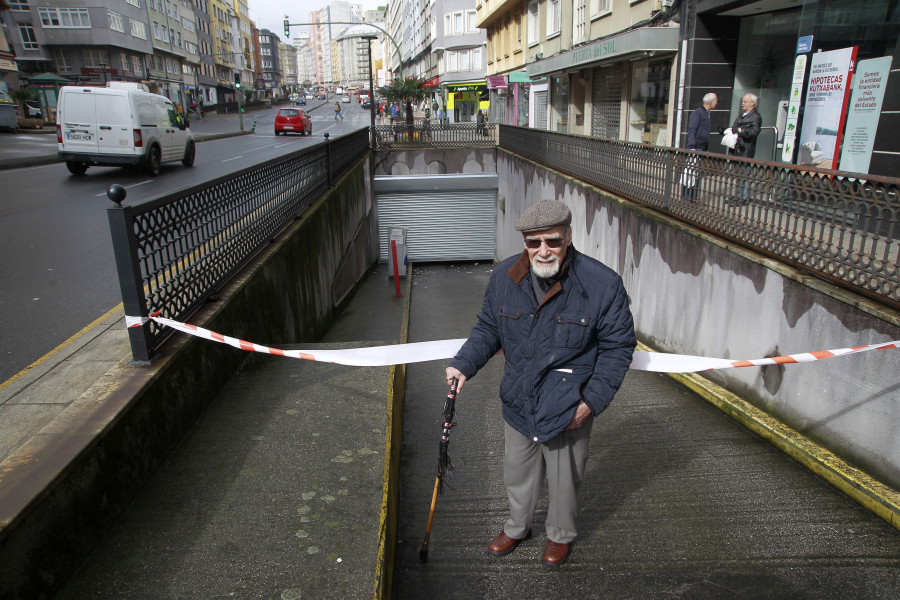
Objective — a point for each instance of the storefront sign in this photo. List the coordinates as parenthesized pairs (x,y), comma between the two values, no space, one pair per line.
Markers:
(804,44)
(645,39)
(827,92)
(7,65)
(519,77)
(495,82)
(793,116)
(864,112)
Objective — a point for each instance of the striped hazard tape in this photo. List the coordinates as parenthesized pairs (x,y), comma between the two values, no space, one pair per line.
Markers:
(380,356)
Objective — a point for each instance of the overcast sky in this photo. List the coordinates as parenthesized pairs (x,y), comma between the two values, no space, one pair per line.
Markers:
(269,14)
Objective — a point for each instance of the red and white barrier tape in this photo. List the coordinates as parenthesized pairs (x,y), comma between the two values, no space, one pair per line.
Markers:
(381,356)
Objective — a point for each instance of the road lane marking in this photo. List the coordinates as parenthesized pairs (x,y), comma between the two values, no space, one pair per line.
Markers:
(127,187)
(232,158)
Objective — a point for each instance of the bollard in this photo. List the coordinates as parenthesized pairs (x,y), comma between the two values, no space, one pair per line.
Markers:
(253,127)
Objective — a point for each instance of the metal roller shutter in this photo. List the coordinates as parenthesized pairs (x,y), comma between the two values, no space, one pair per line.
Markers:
(606,98)
(449,217)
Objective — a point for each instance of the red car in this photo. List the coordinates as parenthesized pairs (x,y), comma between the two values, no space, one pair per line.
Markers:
(289,120)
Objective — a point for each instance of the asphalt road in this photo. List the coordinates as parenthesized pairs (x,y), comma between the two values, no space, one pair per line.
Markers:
(57,272)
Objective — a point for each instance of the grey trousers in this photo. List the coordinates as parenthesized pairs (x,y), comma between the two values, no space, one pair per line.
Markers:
(562,461)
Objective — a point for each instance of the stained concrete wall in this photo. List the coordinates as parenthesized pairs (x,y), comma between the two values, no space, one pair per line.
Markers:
(436,161)
(692,293)
(80,472)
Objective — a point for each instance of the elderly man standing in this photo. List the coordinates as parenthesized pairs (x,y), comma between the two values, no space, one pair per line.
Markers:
(747,127)
(563,322)
(698,139)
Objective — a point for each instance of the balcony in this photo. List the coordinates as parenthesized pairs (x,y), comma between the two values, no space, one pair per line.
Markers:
(487,12)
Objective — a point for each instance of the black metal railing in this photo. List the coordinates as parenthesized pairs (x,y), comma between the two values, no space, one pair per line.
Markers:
(843,227)
(175,251)
(423,134)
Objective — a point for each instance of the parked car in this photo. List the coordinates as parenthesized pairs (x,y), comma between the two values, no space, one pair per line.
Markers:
(290,120)
(345,99)
(121,124)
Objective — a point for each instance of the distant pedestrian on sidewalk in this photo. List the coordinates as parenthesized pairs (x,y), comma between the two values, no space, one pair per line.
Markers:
(698,139)
(337,111)
(567,334)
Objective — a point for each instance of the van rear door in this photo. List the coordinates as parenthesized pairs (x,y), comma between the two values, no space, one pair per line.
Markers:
(78,126)
(114,124)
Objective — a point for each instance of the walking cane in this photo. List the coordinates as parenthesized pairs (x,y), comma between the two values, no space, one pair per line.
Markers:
(444,467)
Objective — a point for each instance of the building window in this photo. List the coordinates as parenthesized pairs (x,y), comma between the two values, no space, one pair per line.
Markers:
(134,2)
(532,23)
(29,42)
(600,8)
(458,24)
(578,24)
(70,18)
(448,25)
(476,60)
(138,29)
(470,21)
(62,61)
(124,58)
(136,65)
(519,32)
(18,5)
(553,18)
(115,21)
(95,58)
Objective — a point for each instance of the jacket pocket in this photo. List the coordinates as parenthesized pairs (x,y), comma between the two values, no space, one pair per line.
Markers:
(511,323)
(571,330)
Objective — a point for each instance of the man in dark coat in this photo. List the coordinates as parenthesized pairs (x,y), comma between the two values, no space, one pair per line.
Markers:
(563,322)
(698,139)
(747,127)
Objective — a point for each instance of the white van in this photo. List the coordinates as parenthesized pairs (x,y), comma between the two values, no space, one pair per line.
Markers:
(121,124)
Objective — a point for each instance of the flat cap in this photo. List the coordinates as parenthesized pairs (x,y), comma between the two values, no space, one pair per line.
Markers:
(544,215)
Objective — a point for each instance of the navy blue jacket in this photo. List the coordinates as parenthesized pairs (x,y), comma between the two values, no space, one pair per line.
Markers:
(575,344)
(698,130)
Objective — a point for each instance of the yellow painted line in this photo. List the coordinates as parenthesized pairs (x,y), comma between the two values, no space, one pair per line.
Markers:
(390,485)
(858,485)
(68,342)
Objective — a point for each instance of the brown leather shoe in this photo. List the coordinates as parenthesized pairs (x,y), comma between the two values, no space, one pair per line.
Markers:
(555,553)
(503,544)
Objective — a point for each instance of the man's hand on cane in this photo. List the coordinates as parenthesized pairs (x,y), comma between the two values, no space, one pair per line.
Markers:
(455,374)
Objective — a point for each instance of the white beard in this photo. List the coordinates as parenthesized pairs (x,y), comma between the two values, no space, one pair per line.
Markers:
(545,270)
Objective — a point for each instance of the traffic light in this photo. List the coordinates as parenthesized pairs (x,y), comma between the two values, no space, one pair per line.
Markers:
(237,80)
(287,27)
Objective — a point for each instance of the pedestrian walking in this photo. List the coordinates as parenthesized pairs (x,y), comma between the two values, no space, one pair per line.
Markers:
(698,139)
(563,322)
(337,111)
(479,118)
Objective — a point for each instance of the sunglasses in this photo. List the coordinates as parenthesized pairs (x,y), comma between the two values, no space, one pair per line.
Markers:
(534,244)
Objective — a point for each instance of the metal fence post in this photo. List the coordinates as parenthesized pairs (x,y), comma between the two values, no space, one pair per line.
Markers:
(328,159)
(130,282)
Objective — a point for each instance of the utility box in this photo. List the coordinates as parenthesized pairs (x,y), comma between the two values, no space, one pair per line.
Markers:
(398,235)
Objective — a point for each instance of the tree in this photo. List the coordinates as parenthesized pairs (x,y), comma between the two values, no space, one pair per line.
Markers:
(406,91)
(23,95)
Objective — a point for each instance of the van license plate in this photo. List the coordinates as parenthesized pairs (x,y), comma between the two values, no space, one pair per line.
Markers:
(288,126)
(79,136)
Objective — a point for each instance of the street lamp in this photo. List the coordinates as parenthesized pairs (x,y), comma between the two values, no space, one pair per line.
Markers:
(369,39)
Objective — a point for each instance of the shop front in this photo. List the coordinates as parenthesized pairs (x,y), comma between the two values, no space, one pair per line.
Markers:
(509,98)
(621,87)
(464,100)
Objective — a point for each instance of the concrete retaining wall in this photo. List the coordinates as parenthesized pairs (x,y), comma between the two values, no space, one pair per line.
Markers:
(692,293)
(78,474)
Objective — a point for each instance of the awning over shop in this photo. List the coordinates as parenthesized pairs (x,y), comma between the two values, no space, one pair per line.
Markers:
(611,49)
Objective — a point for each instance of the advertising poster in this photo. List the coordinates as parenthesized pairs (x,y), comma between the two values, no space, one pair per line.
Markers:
(863,113)
(790,133)
(830,75)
